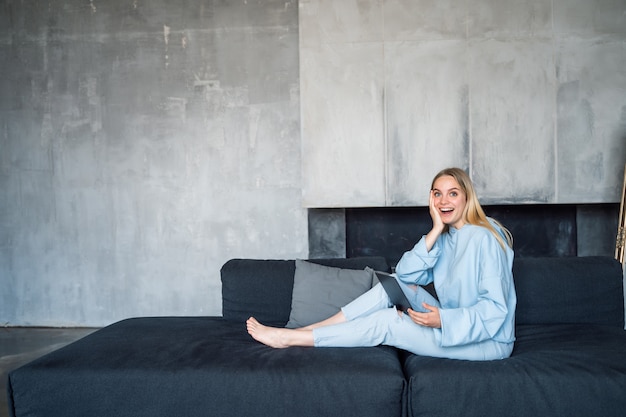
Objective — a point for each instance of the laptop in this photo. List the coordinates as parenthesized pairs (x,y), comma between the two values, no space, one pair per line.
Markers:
(394,291)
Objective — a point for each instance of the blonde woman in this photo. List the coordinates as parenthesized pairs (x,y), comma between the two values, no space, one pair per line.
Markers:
(467,256)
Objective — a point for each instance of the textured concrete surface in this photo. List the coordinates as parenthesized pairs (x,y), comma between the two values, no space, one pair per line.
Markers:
(142,145)
(528,96)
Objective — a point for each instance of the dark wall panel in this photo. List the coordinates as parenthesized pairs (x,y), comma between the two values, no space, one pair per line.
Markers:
(538,230)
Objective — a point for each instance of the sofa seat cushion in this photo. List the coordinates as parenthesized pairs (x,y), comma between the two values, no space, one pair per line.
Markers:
(201,366)
(557,370)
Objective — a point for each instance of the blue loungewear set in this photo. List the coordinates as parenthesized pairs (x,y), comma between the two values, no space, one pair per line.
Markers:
(473,278)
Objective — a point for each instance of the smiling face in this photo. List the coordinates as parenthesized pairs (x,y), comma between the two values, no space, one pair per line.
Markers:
(450,200)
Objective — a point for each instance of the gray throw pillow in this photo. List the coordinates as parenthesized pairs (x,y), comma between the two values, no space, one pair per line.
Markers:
(320,291)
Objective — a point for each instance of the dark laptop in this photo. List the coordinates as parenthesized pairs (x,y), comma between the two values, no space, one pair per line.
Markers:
(395,293)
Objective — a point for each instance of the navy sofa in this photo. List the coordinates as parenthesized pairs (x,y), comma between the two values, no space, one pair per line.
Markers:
(569,358)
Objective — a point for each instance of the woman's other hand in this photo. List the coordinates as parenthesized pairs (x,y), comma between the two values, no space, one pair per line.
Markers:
(429,319)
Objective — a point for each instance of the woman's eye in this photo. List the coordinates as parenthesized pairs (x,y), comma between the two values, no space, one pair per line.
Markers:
(453,194)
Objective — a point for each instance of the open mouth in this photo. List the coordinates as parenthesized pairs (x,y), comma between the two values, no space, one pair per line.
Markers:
(446,213)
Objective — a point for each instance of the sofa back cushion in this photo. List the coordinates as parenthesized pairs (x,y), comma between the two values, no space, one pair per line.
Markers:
(263,287)
(319,291)
(569,290)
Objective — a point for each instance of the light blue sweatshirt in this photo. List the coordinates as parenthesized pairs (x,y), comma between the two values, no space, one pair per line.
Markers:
(473,278)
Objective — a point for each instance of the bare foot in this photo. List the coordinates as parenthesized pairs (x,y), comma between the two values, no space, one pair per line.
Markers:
(270,336)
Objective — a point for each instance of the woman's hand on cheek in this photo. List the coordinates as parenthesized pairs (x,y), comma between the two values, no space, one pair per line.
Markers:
(433,235)
(434,213)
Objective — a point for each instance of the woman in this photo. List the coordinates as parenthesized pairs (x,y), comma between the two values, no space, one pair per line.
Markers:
(469,258)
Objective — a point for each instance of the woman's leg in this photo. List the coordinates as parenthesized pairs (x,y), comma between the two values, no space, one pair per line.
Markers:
(372,300)
(363,331)
(386,327)
(371,330)
(336,319)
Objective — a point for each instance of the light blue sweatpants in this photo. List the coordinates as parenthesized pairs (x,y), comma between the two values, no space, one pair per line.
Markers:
(373,321)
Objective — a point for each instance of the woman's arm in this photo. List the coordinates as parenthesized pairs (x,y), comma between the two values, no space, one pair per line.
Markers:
(415,265)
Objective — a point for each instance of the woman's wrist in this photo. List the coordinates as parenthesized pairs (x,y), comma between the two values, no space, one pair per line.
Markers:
(432,236)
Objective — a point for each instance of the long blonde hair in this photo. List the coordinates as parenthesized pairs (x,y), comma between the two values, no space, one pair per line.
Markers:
(473,213)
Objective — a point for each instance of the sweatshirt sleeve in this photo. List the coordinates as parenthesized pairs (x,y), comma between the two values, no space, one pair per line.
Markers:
(415,266)
(486,317)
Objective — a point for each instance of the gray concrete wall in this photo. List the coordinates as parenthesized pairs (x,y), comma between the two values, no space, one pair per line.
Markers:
(143,144)
(528,96)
